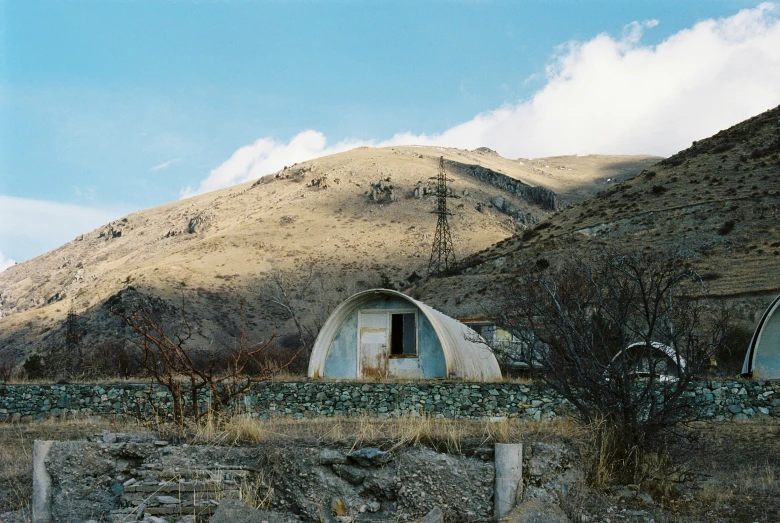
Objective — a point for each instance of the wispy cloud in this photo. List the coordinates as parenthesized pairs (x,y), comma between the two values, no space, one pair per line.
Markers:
(29,227)
(87,193)
(5,262)
(605,95)
(165,164)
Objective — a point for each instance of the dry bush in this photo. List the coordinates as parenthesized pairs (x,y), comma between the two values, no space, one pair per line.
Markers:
(165,338)
(6,370)
(617,336)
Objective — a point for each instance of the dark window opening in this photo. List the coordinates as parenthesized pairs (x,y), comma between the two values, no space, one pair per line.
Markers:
(403,335)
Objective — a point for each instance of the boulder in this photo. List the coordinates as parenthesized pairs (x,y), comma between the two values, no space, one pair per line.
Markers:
(353,475)
(536,511)
(332,457)
(370,457)
(234,511)
(434,516)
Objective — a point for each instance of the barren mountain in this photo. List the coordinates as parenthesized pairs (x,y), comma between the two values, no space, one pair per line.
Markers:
(355,219)
(718,202)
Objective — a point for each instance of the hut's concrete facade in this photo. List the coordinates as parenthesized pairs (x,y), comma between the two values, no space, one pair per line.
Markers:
(762,360)
(383,333)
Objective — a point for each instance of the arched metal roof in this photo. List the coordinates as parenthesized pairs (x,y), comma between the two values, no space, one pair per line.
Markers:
(750,357)
(466,356)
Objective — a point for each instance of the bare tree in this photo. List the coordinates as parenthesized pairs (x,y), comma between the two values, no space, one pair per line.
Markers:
(623,342)
(169,355)
(306,296)
(289,292)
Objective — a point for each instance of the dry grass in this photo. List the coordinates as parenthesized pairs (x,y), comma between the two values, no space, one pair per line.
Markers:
(450,435)
(749,480)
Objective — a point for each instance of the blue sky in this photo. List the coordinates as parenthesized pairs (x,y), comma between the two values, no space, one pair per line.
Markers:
(109,106)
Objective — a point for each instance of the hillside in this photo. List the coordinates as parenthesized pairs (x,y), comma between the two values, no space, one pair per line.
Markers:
(356,219)
(717,201)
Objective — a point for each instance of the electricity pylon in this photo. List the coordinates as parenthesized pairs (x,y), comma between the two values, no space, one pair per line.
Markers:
(73,337)
(442,253)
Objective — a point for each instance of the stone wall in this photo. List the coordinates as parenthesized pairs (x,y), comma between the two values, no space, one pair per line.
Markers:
(722,400)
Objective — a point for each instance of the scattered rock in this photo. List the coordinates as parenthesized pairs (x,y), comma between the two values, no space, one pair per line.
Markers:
(332,457)
(235,511)
(353,475)
(536,511)
(370,457)
(434,516)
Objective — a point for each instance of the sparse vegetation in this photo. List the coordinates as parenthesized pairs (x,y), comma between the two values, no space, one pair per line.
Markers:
(168,352)
(617,337)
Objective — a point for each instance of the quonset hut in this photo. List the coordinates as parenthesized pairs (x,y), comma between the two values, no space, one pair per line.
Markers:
(383,333)
(763,356)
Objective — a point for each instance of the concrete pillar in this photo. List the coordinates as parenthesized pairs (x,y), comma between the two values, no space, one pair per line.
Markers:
(509,477)
(41,495)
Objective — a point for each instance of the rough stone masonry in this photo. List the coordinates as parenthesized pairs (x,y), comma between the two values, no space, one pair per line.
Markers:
(736,399)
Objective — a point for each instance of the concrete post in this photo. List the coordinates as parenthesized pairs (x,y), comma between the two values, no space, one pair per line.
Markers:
(509,477)
(41,495)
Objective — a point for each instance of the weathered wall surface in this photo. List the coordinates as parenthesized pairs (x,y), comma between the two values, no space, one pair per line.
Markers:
(722,400)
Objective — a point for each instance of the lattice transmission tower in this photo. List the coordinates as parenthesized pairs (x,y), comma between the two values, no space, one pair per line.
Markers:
(73,337)
(442,253)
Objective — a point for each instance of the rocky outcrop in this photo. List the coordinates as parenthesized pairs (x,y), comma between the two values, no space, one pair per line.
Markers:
(199,223)
(506,207)
(382,191)
(541,196)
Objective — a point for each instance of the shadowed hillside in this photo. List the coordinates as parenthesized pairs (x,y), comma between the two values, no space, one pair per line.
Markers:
(718,202)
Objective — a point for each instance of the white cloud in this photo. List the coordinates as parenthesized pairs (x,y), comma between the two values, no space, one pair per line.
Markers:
(29,227)
(267,155)
(611,95)
(5,262)
(604,95)
(165,164)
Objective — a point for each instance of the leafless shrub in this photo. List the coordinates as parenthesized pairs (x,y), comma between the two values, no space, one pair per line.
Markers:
(6,370)
(587,314)
(169,354)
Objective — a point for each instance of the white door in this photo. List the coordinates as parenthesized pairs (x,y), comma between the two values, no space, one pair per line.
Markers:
(373,344)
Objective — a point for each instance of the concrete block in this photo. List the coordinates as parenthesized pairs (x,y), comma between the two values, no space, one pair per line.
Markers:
(41,495)
(509,477)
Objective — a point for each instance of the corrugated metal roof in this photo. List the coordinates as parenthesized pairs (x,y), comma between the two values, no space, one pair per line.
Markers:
(466,355)
(748,365)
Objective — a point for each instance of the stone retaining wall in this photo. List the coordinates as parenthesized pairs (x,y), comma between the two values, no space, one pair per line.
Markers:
(532,401)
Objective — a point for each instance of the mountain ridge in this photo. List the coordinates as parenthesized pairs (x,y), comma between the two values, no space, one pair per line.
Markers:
(363,215)
(717,202)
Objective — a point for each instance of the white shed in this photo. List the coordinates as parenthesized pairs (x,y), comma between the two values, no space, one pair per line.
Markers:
(384,333)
